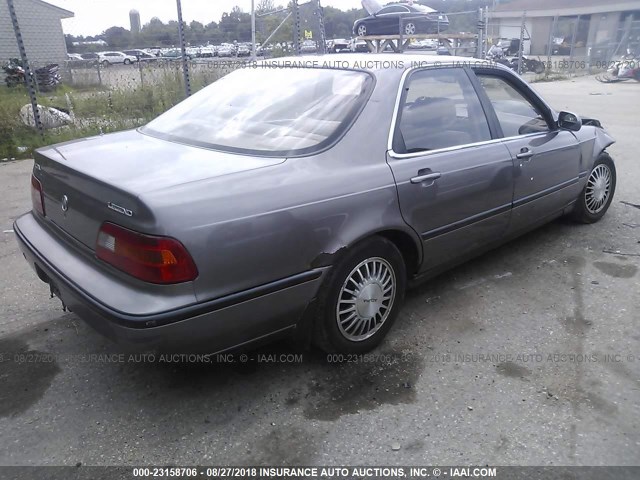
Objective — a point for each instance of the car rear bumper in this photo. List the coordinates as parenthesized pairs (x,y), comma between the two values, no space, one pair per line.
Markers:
(209,327)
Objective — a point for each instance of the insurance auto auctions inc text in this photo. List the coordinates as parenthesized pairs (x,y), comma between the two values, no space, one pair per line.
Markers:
(375,472)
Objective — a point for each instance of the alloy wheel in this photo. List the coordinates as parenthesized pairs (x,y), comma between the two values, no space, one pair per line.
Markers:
(366,299)
(410,29)
(362,30)
(598,189)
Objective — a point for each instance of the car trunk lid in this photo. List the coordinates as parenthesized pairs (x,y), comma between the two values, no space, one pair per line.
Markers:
(90,181)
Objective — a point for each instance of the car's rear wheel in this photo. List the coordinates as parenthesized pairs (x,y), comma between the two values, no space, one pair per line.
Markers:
(597,195)
(105,63)
(361,298)
(410,29)
(362,30)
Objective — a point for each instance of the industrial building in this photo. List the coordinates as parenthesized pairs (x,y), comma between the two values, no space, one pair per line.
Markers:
(570,27)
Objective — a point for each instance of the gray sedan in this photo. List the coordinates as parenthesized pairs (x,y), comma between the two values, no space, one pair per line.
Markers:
(289,200)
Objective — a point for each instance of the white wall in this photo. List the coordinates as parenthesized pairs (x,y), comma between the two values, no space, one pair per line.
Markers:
(41,31)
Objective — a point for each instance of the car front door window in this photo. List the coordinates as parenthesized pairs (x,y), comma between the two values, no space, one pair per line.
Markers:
(516,114)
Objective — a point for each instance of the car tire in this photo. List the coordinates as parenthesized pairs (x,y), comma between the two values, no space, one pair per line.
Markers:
(105,63)
(410,29)
(372,270)
(362,30)
(127,61)
(597,195)
(539,68)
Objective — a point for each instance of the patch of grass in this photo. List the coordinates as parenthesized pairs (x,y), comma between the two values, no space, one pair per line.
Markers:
(97,110)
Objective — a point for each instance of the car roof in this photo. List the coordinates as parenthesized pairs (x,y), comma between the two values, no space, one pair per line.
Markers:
(380,61)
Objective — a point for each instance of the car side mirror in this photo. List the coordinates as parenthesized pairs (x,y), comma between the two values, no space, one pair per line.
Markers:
(569,121)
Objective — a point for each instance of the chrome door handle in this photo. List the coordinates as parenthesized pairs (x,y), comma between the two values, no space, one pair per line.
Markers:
(525,154)
(426,178)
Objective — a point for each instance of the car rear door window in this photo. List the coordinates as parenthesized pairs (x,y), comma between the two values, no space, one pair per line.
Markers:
(440,109)
(516,114)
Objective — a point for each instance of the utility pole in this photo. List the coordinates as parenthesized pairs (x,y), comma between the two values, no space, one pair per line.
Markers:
(183,49)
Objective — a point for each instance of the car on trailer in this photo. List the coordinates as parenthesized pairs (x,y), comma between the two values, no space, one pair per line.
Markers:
(394,19)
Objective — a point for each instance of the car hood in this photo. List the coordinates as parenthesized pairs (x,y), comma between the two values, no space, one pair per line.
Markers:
(372,6)
(139,163)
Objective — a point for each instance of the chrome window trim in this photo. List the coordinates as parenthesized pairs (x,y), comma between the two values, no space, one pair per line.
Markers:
(396,113)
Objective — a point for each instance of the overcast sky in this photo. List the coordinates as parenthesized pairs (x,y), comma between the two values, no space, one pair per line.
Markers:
(92,17)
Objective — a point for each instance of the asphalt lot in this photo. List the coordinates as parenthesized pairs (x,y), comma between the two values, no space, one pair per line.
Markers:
(547,309)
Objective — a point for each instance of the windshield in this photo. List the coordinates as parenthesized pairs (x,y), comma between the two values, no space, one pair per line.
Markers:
(269,111)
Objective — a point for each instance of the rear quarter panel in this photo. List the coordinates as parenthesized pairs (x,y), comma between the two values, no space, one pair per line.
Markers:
(248,229)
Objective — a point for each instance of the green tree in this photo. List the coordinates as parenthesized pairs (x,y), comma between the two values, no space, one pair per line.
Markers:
(117,37)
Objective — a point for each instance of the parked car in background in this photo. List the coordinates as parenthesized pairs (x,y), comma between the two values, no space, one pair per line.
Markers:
(74,57)
(254,209)
(208,52)
(414,18)
(141,55)
(359,46)
(174,54)
(91,58)
(227,51)
(113,58)
(339,45)
(308,46)
(243,50)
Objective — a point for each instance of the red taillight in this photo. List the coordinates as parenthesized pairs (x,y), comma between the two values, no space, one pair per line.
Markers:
(152,259)
(37,198)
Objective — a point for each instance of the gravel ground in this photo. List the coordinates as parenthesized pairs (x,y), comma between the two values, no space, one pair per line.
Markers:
(528,355)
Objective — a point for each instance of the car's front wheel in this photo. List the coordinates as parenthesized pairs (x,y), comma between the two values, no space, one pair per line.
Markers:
(361,298)
(127,61)
(597,195)
(362,30)
(105,63)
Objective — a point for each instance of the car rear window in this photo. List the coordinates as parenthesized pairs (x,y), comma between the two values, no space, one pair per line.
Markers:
(268,111)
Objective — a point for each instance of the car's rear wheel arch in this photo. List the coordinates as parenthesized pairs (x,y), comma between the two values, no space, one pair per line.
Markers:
(408,247)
